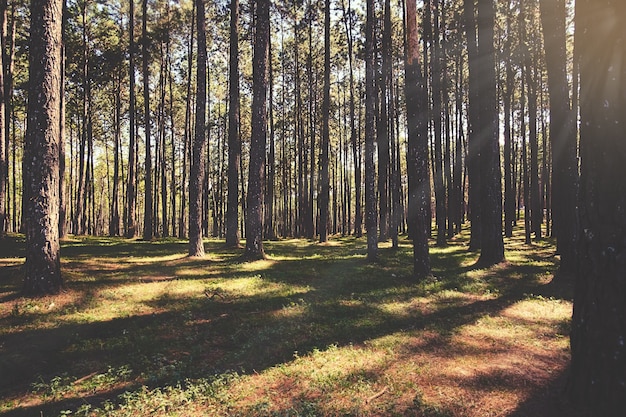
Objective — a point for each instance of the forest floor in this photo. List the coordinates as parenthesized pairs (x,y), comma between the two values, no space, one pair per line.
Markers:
(314,330)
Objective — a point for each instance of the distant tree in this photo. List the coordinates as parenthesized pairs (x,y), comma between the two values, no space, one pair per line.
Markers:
(256,178)
(325,143)
(598,366)
(198,168)
(234,141)
(371,221)
(417,150)
(148,232)
(131,184)
(42,270)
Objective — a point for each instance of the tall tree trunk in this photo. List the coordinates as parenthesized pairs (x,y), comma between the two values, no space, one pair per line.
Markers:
(473,130)
(131,187)
(270,232)
(533,142)
(4,160)
(562,137)
(358,217)
(325,143)
(62,186)
(42,270)
(598,365)
(309,221)
(148,232)
(256,177)
(114,225)
(371,220)
(492,244)
(198,168)
(182,225)
(9,118)
(436,68)
(234,142)
(417,152)
(509,189)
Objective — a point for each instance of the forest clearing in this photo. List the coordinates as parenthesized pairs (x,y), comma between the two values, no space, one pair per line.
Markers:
(141,329)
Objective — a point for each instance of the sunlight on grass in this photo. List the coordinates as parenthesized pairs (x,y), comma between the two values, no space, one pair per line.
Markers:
(141,329)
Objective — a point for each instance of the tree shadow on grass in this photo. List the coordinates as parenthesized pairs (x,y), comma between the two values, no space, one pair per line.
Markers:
(340,300)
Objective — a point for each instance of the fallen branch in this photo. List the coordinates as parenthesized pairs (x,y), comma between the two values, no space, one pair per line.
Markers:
(378,394)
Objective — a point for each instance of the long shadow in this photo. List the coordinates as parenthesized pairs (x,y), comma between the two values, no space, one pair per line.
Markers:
(203,336)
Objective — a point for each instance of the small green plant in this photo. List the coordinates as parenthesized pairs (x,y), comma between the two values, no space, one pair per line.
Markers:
(56,388)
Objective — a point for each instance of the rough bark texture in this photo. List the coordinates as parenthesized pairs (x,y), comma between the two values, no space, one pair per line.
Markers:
(492,244)
(234,143)
(324,145)
(197,171)
(41,153)
(370,136)
(4,162)
(598,367)
(417,153)
(562,136)
(256,178)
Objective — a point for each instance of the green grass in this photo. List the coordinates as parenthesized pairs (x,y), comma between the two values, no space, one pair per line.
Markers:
(141,329)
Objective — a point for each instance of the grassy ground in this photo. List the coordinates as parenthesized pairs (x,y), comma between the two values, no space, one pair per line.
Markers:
(314,330)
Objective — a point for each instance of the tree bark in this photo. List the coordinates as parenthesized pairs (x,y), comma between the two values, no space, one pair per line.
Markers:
(148,232)
(417,152)
(198,168)
(597,381)
(234,142)
(41,153)
(324,145)
(492,244)
(4,162)
(371,220)
(131,187)
(256,177)
(473,128)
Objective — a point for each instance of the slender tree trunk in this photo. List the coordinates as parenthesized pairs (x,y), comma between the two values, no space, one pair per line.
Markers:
(256,177)
(131,190)
(324,145)
(198,168)
(9,118)
(309,221)
(42,270)
(533,142)
(440,189)
(417,152)
(234,142)
(182,226)
(371,220)
(148,232)
(4,160)
(598,365)
(473,131)
(270,232)
(509,189)
(358,217)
